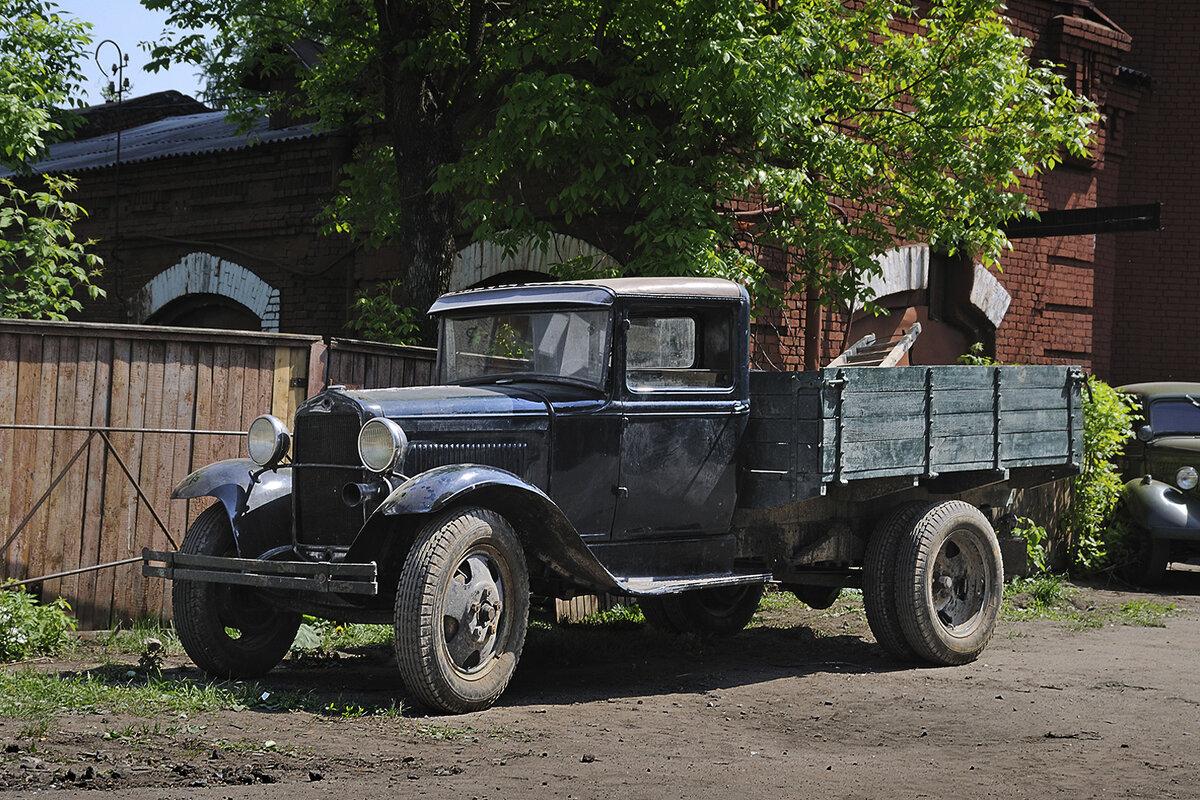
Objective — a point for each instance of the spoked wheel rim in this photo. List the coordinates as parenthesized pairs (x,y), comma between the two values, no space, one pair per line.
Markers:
(959,585)
(475,626)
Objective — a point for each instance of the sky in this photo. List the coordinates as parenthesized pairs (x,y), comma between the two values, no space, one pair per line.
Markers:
(127,24)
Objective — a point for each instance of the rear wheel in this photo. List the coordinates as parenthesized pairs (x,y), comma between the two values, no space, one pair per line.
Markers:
(228,631)
(951,583)
(720,610)
(881,576)
(462,609)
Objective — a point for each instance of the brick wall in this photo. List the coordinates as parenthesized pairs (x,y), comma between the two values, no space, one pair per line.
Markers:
(256,207)
(1154,291)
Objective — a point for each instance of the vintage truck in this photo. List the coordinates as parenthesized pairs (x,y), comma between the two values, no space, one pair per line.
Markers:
(608,436)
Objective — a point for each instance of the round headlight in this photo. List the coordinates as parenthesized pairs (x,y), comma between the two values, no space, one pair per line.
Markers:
(381,445)
(267,440)
(1187,478)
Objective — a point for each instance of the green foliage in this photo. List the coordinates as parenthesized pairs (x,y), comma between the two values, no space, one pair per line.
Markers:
(1036,543)
(643,126)
(379,315)
(29,629)
(40,53)
(42,265)
(1108,417)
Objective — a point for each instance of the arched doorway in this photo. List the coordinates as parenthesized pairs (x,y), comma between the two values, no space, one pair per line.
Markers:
(958,303)
(202,290)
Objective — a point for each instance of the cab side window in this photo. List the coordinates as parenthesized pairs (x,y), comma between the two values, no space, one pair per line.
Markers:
(677,350)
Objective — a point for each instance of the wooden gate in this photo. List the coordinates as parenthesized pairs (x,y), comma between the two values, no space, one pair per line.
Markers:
(98,423)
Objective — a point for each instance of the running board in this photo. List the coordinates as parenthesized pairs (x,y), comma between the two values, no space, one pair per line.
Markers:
(647,587)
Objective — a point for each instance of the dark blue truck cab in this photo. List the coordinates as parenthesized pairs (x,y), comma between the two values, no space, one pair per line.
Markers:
(609,436)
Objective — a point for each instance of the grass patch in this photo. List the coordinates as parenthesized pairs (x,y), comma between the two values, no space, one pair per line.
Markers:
(132,640)
(29,694)
(1049,597)
(1145,613)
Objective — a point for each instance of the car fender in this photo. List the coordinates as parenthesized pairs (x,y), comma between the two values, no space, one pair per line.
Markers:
(545,531)
(258,502)
(1162,509)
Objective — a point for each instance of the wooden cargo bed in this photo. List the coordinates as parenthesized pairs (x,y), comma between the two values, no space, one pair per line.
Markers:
(810,430)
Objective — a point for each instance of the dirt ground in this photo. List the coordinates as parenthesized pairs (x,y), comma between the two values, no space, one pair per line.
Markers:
(803,704)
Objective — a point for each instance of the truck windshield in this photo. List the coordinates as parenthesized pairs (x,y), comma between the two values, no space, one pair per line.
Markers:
(559,345)
(1174,416)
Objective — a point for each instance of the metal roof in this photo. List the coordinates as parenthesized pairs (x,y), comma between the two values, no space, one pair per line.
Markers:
(598,292)
(193,134)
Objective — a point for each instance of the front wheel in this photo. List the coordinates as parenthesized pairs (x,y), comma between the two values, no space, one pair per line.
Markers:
(228,631)
(949,598)
(462,609)
(1146,556)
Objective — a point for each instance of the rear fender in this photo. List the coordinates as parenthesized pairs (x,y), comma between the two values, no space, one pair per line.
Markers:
(1162,509)
(259,505)
(547,534)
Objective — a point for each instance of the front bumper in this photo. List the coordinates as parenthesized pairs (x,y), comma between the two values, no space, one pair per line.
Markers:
(303,576)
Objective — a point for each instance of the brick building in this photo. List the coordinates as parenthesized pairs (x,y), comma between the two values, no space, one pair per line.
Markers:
(202,225)
(1153,296)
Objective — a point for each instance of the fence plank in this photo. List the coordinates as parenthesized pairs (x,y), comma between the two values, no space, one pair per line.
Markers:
(37,532)
(9,348)
(114,512)
(90,613)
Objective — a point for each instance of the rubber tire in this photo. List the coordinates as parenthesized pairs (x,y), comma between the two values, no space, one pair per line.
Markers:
(816,596)
(1147,565)
(881,576)
(442,550)
(721,610)
(656,614)
(204,611)
(951,536)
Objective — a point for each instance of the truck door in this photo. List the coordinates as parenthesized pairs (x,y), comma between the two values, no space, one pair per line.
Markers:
(683,411)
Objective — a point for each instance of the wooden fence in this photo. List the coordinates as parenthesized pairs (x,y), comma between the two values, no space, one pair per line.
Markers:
(98,423)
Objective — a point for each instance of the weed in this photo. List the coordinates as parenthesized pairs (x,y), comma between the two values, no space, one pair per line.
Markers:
(619,616)
(1145,613)
(35,729)
(28,628)
(133,640)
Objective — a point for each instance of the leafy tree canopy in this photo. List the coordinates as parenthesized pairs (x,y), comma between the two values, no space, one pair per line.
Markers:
(679,136)
(42,265)
(40,53)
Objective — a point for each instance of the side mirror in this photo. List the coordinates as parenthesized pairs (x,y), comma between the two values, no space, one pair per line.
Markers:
(1144,433)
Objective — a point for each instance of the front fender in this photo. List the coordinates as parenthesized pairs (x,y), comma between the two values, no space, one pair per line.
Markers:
(546,532)
(259,509)
(1163,510)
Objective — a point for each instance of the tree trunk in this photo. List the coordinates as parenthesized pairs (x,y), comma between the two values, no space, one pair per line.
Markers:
(420,125)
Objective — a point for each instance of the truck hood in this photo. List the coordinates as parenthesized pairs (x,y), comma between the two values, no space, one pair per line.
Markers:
(448,401)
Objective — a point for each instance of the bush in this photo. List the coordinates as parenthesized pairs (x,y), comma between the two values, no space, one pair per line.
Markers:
(380,317)
(29,629)
(1036,542)
(1108,417)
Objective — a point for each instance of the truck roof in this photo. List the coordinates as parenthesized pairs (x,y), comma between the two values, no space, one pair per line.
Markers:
(598,292)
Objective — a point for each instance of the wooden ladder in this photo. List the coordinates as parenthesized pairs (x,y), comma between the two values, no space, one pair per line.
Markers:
(866,352)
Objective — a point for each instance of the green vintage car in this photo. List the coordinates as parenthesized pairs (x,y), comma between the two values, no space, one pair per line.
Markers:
(1160,503)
